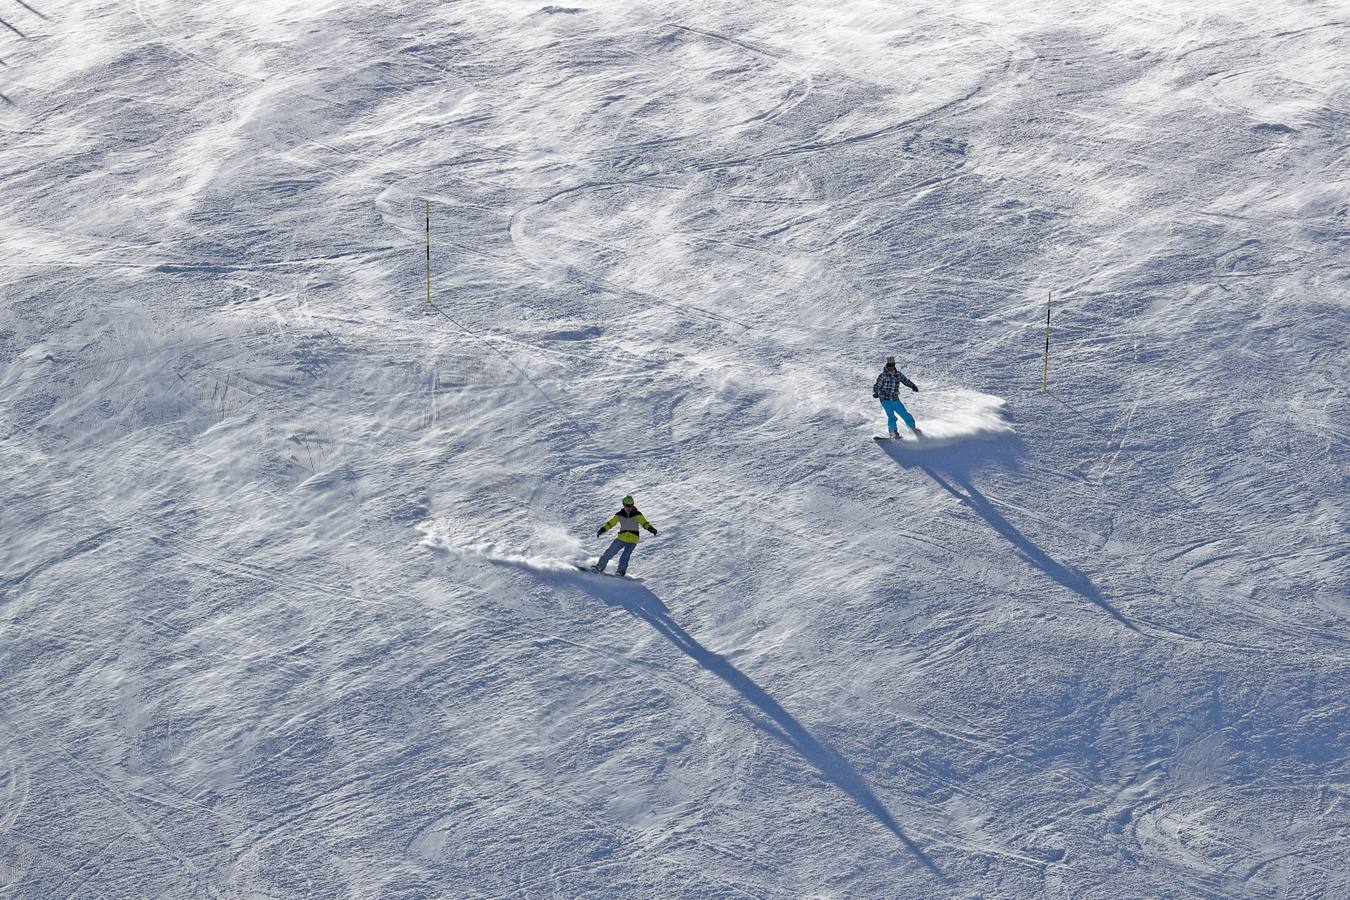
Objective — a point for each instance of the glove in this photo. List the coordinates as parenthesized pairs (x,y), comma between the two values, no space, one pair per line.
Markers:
(651,529)
(875,395)
(600,532)
(916,388)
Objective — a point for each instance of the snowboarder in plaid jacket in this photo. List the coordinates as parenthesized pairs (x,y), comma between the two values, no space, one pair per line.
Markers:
(887,390)
(629,520)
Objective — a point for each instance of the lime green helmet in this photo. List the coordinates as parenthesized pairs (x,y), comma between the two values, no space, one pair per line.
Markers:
(628,501)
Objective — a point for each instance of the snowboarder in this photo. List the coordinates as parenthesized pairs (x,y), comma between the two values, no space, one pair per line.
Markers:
(887,390)
(628,519)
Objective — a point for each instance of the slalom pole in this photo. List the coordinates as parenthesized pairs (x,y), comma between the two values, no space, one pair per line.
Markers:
(1045,376)
(428,214)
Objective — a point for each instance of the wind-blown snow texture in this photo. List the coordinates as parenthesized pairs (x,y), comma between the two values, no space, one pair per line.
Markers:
(285,577)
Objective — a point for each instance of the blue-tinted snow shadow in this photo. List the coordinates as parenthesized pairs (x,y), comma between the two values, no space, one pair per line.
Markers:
(641,603)
(950,466)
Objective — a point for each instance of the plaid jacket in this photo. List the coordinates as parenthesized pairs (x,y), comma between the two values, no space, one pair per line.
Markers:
(888,384)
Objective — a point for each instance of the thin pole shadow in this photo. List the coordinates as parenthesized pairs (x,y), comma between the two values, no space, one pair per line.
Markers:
(1145,470)
(5,99)
(645,605)
(31,10)
(1063,575)
(13,29)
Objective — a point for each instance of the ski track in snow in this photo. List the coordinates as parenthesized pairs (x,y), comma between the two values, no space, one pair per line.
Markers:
(287,585)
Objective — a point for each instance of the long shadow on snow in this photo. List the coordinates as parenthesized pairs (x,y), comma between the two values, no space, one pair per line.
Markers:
(957,461)
(644,605)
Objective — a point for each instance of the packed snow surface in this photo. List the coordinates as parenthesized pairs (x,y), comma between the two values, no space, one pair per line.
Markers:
(287,594)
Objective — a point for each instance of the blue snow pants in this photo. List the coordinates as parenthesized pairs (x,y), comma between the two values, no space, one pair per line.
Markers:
(623,548)
(896,408)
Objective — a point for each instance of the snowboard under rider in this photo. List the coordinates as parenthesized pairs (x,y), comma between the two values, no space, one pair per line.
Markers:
(887,390)
(628,519)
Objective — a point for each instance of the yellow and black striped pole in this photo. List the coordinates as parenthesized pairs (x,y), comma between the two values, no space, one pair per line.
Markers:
(428,213)
(1045,376)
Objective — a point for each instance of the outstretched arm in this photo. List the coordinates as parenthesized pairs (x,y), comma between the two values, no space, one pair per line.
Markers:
(607,526)
(909,384)
(642,520)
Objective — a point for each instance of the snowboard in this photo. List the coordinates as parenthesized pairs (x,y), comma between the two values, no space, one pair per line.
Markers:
(911,437)
(589,571)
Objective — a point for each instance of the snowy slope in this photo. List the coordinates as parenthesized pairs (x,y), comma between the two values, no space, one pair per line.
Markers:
(285,579)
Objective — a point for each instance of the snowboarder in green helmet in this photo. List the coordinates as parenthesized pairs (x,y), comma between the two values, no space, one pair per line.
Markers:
(629,520)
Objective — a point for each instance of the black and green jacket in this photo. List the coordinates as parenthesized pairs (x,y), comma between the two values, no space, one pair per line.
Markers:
(628,525)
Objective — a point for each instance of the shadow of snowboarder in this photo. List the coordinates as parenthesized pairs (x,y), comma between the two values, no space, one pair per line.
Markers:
(957,462)
(641,603)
